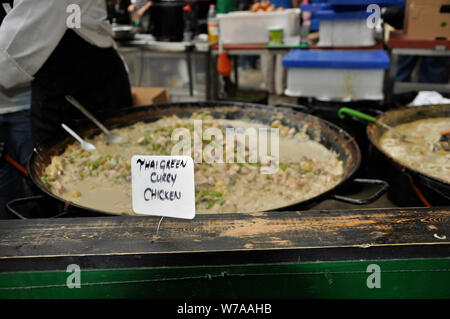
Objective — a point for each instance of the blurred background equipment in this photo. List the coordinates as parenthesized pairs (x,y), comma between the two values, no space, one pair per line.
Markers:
(163,11)
(427,19)
(213,24)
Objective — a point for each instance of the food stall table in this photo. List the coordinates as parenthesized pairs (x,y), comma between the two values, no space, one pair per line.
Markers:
(289,254)
(236,50)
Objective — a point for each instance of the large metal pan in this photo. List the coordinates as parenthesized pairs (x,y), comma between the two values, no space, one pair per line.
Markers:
(409,185)
(331,136)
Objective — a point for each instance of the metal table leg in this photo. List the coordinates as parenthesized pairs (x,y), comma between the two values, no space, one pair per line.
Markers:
(215,78)
(189,67)
(208,75)
(391,80)
(236,70)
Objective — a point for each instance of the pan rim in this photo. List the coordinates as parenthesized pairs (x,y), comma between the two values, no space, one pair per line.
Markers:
(370,134)
(354,163)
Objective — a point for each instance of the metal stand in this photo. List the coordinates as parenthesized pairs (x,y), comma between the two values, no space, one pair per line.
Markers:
(144,49)
(403,46)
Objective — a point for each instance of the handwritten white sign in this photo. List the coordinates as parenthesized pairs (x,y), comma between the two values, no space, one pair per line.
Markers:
(163,186)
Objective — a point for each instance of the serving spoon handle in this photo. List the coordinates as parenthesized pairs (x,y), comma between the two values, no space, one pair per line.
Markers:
(87,113)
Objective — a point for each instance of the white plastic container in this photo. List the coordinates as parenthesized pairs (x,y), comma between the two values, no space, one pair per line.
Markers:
(336,75)
(244,27)
(345,29)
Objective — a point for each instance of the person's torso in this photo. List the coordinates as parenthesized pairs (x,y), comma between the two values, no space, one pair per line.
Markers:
(16,99)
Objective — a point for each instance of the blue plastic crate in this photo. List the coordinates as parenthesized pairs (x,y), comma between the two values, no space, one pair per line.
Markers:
(365,3)
(315,7)
(341,15)
(314,26)
(337,59)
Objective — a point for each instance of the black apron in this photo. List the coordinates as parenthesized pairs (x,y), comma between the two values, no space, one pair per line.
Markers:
(94,76)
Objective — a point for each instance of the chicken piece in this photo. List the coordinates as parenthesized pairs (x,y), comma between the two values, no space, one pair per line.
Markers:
(284,131)
(75,193)
(276,124)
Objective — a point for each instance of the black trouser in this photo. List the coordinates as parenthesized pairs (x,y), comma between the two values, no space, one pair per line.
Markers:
(94,76)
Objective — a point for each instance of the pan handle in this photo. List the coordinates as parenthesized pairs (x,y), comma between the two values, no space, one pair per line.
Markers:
(22,201)
(383,188)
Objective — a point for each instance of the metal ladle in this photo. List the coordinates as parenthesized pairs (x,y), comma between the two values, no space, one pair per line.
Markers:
(111,138)
(84,145)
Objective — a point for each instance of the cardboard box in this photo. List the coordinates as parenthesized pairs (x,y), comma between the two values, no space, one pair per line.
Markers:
(427,19)
(149,95)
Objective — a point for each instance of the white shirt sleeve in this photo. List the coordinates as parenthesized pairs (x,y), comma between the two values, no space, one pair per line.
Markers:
(28,35)
(33,28)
